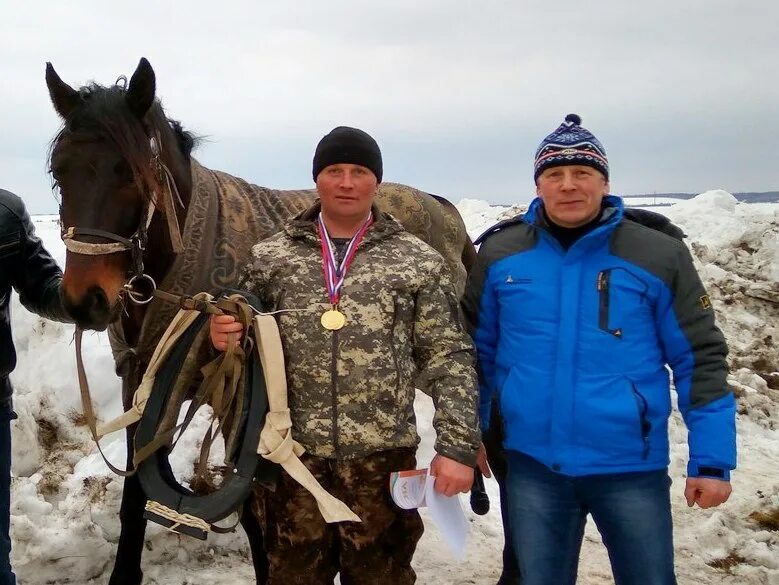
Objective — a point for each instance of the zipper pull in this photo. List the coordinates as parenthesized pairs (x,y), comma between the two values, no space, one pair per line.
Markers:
(603,280)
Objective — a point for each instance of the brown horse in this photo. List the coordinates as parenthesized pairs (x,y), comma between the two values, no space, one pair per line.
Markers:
(125,172)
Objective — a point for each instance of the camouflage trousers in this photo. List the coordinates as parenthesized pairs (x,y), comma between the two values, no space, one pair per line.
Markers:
(303,549)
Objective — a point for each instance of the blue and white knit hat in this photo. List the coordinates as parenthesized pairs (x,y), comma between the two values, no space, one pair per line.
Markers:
(571,144)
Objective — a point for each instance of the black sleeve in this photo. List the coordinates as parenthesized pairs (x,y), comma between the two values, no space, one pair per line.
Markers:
(36,276)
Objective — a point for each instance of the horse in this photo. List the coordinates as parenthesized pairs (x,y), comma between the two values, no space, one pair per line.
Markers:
(136,213)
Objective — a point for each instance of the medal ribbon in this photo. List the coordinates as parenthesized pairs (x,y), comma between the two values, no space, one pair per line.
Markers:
(336,273)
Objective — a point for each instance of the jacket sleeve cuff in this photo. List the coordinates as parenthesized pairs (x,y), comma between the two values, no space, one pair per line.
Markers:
(464,456)
(695,469)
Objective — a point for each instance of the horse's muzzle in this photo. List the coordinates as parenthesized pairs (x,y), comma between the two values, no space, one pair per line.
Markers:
(92,311)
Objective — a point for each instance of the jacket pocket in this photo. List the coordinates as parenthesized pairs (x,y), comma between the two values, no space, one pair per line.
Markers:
(525,405)
(604,303)
(613,421)
(645,425)
(617,286)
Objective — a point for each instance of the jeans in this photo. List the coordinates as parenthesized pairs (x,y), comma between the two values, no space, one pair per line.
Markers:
(6,575)
(548,512)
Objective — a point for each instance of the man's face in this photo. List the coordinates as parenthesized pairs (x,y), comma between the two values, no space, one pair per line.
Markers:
(572,194)
(346,191)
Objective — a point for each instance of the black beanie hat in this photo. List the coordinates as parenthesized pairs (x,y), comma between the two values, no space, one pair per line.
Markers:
(348,145)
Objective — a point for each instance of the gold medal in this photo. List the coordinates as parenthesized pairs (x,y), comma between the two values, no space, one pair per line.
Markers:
(333,320)
(335,272)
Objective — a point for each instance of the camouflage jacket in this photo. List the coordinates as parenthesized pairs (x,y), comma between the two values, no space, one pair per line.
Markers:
(351,392)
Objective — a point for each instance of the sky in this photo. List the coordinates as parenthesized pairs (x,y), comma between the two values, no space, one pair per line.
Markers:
(458,94)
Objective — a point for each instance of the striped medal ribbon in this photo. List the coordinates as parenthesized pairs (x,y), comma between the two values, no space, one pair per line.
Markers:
(335,273)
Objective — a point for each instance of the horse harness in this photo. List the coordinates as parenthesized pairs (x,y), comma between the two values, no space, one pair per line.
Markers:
(246,385)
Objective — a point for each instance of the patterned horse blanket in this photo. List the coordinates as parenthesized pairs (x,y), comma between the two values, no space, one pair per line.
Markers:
(227,216)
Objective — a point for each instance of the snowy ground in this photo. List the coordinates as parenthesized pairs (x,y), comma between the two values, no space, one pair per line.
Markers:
(65,502)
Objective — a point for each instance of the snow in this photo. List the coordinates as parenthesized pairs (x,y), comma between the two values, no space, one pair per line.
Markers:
(65,502)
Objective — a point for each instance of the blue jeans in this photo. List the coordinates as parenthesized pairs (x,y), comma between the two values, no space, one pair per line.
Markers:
(548,512)
(6,575)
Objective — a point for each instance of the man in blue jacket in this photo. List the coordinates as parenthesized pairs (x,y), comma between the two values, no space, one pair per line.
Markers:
(576,311)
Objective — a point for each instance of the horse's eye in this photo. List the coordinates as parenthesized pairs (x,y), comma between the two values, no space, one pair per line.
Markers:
(57,172)
(123,171)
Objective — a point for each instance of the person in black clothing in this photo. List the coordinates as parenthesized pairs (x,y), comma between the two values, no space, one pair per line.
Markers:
(26,266)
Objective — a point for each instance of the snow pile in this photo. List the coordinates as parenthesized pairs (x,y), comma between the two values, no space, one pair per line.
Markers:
(65,502)
(698,216)
(480,215)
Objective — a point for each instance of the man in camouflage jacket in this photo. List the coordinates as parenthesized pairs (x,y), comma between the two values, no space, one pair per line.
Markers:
(351,390)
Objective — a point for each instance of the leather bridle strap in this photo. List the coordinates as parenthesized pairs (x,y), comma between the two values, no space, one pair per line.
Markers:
(168,200)
(134,243)
(86,401)
(119,243)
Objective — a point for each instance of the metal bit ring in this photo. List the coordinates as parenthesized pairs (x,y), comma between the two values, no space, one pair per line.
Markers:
(134,295)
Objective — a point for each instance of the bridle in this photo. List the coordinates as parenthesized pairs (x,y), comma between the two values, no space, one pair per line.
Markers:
(166,199)
(136,243)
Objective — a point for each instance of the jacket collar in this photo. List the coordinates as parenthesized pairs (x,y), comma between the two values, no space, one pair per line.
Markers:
(303,226)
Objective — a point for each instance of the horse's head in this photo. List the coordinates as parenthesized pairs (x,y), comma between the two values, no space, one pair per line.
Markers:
(103,161)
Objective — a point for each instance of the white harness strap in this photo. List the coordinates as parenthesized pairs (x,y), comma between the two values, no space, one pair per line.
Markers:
(276,442)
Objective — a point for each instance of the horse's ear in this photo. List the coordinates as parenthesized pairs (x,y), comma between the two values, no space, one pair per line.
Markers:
(64,97)
(140,93)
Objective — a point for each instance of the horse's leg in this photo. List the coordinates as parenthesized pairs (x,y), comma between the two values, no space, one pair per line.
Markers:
(254,533)
(127,566)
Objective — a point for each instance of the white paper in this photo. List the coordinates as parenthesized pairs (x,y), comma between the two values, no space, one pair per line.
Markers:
(447,514)
(416,489)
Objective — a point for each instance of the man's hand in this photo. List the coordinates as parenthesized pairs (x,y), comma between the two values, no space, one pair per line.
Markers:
(220,327)
(706,492)
(451,477)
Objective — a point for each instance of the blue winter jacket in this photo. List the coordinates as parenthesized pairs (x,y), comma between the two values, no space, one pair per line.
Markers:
(575,343)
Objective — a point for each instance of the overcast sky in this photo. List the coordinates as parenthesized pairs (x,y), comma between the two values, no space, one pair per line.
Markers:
(683,94)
